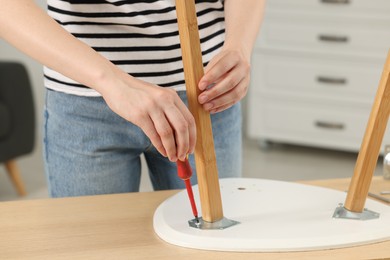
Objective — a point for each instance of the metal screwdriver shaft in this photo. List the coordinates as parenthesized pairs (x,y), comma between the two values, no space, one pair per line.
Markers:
(184,172)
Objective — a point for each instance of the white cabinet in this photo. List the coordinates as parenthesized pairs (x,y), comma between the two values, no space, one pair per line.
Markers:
(315,70)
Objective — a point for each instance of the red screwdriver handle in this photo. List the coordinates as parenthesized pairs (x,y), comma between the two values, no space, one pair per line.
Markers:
(184,170)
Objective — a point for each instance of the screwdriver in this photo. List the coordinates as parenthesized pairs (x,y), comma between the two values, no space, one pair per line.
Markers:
(184,172)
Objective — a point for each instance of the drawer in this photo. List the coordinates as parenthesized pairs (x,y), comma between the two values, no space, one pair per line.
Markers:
(322,78)
(334,125)
(344,7)
(338,36)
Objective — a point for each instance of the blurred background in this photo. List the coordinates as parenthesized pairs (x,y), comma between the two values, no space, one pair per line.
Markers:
(315,70)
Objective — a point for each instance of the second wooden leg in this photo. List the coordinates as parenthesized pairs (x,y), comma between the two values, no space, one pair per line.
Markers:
(14,174)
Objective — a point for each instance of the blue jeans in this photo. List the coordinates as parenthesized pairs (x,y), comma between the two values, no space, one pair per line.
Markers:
(89,150)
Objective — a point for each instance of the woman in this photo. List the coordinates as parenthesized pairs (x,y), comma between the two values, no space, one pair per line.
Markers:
(116,87)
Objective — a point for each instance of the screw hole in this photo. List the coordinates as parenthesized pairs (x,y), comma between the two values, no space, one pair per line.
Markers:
(241,188)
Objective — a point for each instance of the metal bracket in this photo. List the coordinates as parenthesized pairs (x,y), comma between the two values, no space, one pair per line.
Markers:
(220,224)
(342,212)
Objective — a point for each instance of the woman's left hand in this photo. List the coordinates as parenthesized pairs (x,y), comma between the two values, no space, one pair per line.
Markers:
(225,81)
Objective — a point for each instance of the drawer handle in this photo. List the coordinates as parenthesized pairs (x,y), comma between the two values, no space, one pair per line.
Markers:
(329,80)
(335,1)
(330,125)
(333,38)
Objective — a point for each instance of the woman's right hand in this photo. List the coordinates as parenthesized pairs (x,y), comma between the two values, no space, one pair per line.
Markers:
(158,111)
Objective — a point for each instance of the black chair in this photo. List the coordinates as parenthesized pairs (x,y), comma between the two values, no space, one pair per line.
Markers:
(17,119)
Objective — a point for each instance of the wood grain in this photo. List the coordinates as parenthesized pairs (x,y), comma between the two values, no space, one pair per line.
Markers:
(119,226)
(205,160)
(370,148)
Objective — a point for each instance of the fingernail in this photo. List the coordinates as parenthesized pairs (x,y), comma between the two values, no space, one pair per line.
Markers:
(202,99)
(213,111)
(210,86)
(203,85)
(208,106)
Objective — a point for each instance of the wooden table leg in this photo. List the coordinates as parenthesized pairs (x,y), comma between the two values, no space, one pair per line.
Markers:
(14,174)
(370,148)
(206,166)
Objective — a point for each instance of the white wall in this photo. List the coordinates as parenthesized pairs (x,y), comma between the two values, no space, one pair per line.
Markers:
(9,53)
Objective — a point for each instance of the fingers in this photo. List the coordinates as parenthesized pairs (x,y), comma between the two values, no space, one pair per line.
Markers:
(208,97)
(175,134)
(191,126)
(165,133)
(213,61)
(149,129)
(159,112)
(218,67)
(230,87)
(229,98)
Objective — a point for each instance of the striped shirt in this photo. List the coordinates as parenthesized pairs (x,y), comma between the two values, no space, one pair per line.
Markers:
(140,36)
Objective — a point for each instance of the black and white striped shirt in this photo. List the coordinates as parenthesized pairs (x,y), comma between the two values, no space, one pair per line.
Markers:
(141,37)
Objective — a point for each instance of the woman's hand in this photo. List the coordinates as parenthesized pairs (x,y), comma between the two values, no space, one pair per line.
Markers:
(230,69)
(159,112)
(225,81)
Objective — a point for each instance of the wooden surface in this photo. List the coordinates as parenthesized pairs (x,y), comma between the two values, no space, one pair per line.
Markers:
(369,150)
(119,226)
(205,160)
